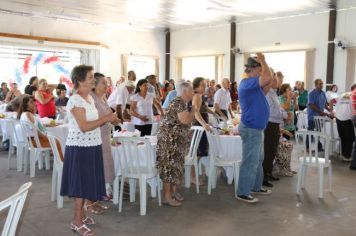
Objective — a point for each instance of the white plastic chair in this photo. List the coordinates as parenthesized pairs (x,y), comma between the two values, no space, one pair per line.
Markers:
(16,203)
(320,126)
(302,120)
(14,142)
(310,158)
(218,159)
(133,167)
(35,152)
(191,160)
(57,169)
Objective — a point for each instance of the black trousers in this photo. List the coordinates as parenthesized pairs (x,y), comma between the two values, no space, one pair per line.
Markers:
(347,136)
(271,141)
(144,129)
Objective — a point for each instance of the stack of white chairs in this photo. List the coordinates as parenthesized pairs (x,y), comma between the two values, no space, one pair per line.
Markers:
(310,158)
(16,203)
(35,152)
(218,159)
(136,168)
(320,126)
(57,169)
(191,160)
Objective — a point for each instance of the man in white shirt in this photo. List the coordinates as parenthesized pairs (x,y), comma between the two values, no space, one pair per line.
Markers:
(222,100)
(119,99)
(344,123)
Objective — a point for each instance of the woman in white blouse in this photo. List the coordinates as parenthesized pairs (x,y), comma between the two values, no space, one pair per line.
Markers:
(141,108)
(83,171)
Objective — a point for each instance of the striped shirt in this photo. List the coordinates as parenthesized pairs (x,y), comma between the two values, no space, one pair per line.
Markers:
(353,100)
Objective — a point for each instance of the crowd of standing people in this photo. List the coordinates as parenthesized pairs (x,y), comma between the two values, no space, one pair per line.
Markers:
(268,122)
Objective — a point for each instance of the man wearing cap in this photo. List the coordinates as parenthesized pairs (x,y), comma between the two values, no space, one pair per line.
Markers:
(119,99)
(254,119)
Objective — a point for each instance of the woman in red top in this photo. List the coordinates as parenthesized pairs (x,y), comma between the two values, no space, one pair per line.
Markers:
(45,100)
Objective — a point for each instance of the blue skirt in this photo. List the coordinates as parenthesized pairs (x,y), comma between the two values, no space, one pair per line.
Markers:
(83,173)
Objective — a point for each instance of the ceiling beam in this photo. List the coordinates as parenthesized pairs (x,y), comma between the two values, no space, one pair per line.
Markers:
(49,39)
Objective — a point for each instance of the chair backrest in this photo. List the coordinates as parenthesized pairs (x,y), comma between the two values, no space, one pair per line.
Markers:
(197,132)
(302,120)
(312,138)
(320,122)
(15,202)
(52,138)
(131,161)
(4,129)
(30,131)
(10,127)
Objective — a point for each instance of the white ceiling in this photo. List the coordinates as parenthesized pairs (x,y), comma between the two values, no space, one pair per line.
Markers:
(162,14)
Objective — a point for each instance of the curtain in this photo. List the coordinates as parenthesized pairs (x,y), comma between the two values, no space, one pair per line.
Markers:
(90,57)
(124,59)
(309,69)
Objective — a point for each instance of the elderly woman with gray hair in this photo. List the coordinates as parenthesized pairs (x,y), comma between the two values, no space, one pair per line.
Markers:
(173,143)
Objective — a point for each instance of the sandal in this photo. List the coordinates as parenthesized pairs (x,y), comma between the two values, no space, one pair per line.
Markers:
(92,209)
(177,196)
(82,230)
(88,221)
(172,203)
(102,206)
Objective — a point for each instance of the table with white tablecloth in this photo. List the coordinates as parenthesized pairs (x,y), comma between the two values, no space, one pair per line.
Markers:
(61,131)
(129,126)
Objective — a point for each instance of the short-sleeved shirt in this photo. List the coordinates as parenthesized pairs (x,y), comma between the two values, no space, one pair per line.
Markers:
(303,98)
(222,97)
(143,107)
(290,124)
(120,96)
(75,136)
(253,103)
(318,98)
(344,108)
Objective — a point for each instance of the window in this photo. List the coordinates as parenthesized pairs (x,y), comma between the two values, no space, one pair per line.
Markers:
(20,63)
(209,67)
(142,65)
(291,64)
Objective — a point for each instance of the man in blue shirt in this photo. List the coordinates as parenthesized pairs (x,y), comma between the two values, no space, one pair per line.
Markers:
(316,103)
(254,118)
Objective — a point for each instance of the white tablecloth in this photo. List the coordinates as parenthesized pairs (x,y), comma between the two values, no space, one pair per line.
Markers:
(232,147)
(129,126)
(60,131)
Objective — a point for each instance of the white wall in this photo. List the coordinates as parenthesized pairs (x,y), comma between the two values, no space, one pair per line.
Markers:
(345,30)
(196,42)
(303,32)
(119,41)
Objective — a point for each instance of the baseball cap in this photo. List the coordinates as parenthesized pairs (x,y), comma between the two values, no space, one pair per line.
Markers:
(252,63)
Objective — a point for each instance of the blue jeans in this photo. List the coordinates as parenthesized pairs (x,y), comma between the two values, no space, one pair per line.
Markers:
(251,170)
